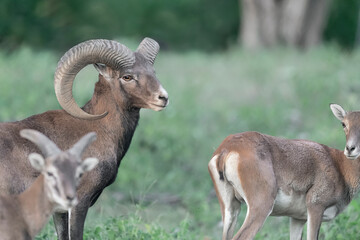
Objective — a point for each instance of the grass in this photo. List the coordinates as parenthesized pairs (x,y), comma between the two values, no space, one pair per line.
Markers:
(280,92)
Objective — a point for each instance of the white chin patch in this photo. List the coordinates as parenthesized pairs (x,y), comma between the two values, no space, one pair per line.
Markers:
(64,206)
(352,156)
(155,107)
(61,209)
(158,109)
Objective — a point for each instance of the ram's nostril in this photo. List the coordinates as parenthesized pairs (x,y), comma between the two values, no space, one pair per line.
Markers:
(163,98)
(350,148)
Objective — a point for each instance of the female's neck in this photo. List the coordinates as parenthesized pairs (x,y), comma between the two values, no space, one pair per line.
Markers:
(35,206)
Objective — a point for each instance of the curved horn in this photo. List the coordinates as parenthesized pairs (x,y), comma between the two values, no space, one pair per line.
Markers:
(46,146)
(110,53)
(83,143)
(149,48)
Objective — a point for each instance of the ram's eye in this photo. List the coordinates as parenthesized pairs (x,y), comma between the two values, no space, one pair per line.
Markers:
(127,78)
(50,174)
(343,125)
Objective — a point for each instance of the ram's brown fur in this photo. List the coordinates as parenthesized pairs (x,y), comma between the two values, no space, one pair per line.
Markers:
(114,134)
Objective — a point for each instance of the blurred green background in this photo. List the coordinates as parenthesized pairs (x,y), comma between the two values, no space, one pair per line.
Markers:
(216,87)
(177,25)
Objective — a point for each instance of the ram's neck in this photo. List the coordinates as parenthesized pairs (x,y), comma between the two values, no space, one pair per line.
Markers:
(129,123)
(120,123)
(102,100)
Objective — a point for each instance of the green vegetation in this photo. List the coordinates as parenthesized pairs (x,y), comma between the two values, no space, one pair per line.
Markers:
(280,92)
(342,23)
(185,24)
(175,24)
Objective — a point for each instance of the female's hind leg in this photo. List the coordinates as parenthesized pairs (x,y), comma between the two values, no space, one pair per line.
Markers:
(255,218)
(230,214)
(296,228)
(254,180)
(230,206)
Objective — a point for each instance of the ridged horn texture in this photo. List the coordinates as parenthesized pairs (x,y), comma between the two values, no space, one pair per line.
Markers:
(149,48)
(82,144)
(46,146)
(110,53)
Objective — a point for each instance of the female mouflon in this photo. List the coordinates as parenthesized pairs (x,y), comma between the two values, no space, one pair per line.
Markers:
(307,181)
(24,215)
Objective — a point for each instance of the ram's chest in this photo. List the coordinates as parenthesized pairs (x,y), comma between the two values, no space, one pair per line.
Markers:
(107,171)
(129,124)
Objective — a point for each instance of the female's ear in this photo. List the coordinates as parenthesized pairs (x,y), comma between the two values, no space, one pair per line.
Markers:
(37,161)
(338,111)
(89,163)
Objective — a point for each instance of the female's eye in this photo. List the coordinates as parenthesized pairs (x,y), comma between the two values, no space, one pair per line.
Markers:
(343,125)
(127,78)
(50,174)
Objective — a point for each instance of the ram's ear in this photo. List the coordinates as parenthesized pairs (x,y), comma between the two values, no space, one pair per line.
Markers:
(108,73)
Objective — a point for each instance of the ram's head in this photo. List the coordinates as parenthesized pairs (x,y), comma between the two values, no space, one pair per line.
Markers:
(130,76)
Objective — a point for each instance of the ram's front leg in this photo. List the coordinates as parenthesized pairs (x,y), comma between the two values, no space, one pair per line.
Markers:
(77,220)
(61,225)
(76,217)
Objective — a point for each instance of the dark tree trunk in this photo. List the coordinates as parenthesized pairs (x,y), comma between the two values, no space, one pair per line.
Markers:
(292,15)
(314,23)
(250,25)
(298,23)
